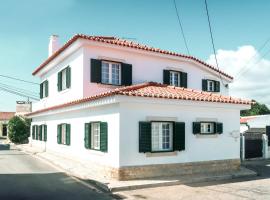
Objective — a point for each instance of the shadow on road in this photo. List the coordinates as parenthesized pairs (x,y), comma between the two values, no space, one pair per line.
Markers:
(44,186)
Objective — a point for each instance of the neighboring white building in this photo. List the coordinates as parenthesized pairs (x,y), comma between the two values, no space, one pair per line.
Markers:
(108,102)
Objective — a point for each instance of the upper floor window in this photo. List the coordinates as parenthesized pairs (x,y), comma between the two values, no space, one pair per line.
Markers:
(175,78)
(44,89)
(64,79)
(110,73)
(210,85)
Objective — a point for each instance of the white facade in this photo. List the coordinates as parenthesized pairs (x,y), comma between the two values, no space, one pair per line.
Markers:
(123,113)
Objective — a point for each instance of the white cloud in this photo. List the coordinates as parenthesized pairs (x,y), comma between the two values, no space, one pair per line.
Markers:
(254,83)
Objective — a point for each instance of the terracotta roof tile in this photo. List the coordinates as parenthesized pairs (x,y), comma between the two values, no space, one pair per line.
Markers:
(155,90)
(125,43)
(6,115)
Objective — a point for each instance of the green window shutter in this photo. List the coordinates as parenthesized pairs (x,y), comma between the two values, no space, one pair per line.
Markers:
(67,134)
(196,127)
(219,128)
(59,133)
(126,74)
(145,142)
(40,133)
(87,135)
(33,132)
(59,81)
(41,91)
(95,71)
(103,136)
(217,86)
(45,133)
(204,85)
(179,136)
(183,79)
(46,88)
(68,79)
(37,132)
(166,77)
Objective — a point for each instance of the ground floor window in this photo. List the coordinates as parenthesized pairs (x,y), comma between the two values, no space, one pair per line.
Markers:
(162,136)
(63,134)
(207,128)
(4,130)
(96,136)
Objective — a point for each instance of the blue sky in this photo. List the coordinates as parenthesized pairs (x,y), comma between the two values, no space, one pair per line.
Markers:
(26,26)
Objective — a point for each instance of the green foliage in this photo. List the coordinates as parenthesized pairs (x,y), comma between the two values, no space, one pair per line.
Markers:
(256,109)
(19,129)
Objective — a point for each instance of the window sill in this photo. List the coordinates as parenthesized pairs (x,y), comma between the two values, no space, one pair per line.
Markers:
(64,91)
(213,135)
(161,154)
(110,84)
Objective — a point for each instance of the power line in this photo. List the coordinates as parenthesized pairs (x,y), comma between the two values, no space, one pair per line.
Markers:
(18,79)
(246,66)
(241,75)
(212,40)
(17,93)
(181,27)
(19,90)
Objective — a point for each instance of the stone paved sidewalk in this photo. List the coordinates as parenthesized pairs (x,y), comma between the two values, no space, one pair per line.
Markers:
(80,170)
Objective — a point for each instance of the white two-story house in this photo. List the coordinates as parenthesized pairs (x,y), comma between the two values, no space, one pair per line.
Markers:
(133,111)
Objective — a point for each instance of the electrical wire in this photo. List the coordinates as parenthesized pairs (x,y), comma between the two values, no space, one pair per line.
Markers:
(19,89)
(18,79)
(18,93)
(212,40)
(181,27)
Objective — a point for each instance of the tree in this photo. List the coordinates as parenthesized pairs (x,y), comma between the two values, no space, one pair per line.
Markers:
(19,129)
(256,109)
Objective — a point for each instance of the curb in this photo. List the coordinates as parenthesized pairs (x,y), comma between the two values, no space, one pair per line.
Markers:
(103,187)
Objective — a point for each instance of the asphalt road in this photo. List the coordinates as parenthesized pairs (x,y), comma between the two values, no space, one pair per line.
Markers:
(23,177)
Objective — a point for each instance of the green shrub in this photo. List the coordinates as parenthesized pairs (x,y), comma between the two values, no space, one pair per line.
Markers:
(19,129)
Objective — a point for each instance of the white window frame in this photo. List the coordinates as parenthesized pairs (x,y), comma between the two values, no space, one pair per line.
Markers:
(207,127)
(173,79)
(63,134)
(44,90)
(210,85)
(64,79)
(158,136)
(95,135)
(111,80)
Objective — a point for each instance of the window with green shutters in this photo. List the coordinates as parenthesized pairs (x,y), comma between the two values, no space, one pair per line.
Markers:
(39,132)
(210,85)
(110,72)
(175,78)
(44,89)
(64,79)
(207,128)
(161,136)
(96,136)
(63,134)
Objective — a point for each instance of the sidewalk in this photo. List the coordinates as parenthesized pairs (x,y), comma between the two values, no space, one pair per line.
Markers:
(80,170)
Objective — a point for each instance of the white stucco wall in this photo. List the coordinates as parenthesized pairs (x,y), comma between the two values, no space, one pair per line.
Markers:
(123,116)
(77,119)
(198,147)
(145,67)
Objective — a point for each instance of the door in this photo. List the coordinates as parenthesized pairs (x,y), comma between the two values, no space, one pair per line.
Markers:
(4,133)
(253,148)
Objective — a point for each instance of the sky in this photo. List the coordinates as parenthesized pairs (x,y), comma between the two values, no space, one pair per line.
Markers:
(240,28)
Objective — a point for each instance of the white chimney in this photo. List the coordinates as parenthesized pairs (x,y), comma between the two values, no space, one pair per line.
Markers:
(54,44)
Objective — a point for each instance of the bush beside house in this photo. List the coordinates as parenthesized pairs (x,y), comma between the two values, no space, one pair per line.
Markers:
(19,129)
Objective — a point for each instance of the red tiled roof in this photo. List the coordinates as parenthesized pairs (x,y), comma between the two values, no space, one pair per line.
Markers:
(244,120)
(124,43)
(6,115)
(155,90)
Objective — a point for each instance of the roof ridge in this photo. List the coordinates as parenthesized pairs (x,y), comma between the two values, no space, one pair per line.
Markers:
(125,43)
